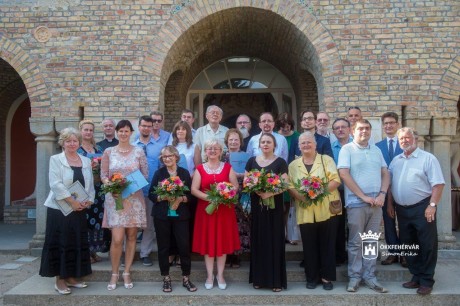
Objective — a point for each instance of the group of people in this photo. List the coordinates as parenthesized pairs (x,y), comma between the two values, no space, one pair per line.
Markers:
(353,169)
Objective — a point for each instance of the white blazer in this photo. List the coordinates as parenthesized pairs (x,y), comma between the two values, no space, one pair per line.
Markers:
(61,176)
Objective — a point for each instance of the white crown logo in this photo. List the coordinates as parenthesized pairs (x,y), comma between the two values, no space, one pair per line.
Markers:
(370,236)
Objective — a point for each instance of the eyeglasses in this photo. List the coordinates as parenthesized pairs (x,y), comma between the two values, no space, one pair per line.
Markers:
(354,107)
(308,118)
(213,149)
(390,123)
(243,122)
(157,120)
(322,120)
(168,156)
(340,127)
(145,126)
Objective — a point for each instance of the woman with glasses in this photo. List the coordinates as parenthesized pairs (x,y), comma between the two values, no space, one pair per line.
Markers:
(214,235)
(99,238)
(167,226)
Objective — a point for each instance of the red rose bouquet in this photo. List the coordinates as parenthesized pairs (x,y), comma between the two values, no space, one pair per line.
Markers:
(223,193)
(313,188)
(115,186)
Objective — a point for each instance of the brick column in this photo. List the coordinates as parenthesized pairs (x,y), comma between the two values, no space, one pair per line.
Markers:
(43,129)
(442,130)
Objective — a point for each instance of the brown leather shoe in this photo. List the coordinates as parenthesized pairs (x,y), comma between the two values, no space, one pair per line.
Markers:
(403,261)
(389,260)
(411,285)
(424,290)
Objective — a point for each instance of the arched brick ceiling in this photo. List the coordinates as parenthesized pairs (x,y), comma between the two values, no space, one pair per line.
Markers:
(242,32)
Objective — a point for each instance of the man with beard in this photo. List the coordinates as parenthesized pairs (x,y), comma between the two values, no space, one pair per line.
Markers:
(416,189)
(243,124)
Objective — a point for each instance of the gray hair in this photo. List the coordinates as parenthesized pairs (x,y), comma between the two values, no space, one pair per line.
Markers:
(171,149)
(308,134)
(108,119)
(211,142)
(208,109)
(67,133)
(407,129)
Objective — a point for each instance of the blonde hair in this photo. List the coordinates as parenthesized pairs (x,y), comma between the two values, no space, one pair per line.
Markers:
(80,126)
(67,133)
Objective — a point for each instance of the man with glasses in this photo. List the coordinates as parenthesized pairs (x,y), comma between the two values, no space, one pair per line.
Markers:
(243,124)
(341,130)
(159,135)
(109,140)
(390,148)
(308,124)
(150,147)
(212,130)
(364,172)
(267,124)
(322,126)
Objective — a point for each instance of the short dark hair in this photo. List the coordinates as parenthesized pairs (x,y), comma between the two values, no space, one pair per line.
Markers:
(362,121)
(390,115)
(146,119)
(284,119)
(341,119)
(266,113)
(354,107)
(308,111)
(124,123)
(269,135)
(188,111)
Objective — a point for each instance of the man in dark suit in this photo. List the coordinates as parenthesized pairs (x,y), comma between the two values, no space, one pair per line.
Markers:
(390,148)
(308,124)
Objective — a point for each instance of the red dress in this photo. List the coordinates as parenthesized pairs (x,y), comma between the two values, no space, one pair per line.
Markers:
(217,234)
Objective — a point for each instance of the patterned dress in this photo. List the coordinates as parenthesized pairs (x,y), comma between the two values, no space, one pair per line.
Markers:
(99,238)
(133,214)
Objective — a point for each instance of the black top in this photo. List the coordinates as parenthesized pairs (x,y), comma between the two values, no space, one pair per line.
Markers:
(78,175)
(160,209)
(104,144)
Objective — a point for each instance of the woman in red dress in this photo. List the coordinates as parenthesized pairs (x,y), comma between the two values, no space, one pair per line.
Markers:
(214,235)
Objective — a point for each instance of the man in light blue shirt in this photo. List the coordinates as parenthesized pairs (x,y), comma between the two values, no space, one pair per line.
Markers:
(364,171)
(267,124)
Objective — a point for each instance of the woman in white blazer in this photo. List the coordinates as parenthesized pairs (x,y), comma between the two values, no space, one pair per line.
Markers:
(66,254)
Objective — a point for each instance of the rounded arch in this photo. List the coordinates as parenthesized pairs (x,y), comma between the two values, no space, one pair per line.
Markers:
(201,34)
(449,91)
(29,72)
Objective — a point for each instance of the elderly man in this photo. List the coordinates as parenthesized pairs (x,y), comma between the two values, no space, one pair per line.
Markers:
(212,130)
(243,124)
(322,126)
(365,174)
(416,188)
(308,124)
(390,148)
(109,140)
(267,124)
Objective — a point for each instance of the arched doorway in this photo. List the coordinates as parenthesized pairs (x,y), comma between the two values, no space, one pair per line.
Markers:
(241,85)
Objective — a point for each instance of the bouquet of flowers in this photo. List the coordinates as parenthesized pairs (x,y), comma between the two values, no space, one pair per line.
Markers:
(116,185)
(313,188)
(171,187)
(221,193)
(260,180)
(96,167)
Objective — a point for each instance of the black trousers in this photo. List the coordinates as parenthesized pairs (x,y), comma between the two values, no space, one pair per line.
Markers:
(181,231)
(414,229)
(318,250)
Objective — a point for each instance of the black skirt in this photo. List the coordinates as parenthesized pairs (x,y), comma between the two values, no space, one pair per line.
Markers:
(66,249)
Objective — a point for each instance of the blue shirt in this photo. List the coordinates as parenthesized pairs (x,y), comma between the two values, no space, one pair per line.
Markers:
(336,146)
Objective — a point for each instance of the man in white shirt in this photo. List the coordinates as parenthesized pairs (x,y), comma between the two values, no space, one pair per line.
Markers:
(417,183)
(212,130)
(267,124)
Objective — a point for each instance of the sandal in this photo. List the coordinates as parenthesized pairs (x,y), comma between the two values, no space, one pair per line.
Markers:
(167,287)
(188,284)
(276,289)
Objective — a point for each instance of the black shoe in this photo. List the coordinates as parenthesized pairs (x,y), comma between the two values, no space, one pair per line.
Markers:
(302,264)
(311,285)
(328,286)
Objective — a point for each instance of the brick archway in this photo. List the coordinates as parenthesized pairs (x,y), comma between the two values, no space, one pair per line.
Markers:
(449,91)
(29,72)
(287,36)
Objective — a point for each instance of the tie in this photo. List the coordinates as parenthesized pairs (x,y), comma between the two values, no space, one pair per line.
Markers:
(391,150)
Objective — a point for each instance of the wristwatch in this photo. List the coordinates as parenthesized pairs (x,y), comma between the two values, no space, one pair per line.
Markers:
(433,204)
(383,192)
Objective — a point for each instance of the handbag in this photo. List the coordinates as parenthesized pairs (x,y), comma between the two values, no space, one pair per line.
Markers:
(335,207)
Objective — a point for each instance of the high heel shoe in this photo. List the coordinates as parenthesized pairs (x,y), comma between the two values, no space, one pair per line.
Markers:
(209,286)
(222,286)
(63,291)
(110,286)
(127,285)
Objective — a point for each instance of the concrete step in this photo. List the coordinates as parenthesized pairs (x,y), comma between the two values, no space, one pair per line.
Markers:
(40,291)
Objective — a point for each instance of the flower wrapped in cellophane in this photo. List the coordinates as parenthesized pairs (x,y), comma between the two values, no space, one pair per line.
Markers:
(262,181)
(223,193)
(171,188)
(313,188)
(117,183)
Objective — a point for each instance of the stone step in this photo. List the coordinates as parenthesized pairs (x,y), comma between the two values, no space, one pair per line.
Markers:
(40,291)
(102,271)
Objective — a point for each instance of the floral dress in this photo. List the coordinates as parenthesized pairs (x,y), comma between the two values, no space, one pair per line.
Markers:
(133,213)
(99,238)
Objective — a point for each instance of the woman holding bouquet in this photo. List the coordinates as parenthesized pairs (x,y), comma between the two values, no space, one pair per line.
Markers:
(316,227)
(123,159)
(66,254)
(167,225)
(216,234)
(98,236)
(268,264)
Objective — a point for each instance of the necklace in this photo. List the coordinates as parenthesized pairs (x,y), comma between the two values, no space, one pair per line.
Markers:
(123,151)
(172,173)
(72,159)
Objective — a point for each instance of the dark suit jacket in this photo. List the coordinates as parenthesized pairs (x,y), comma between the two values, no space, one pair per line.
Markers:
(323,146)
(160,209)
(383,146)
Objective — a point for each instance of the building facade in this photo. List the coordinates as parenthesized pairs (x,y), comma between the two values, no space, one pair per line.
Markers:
(65,60)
